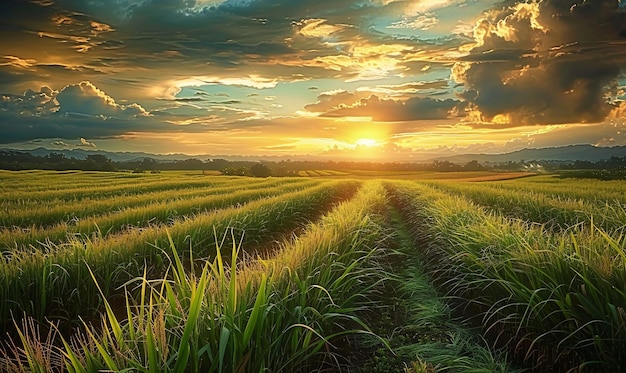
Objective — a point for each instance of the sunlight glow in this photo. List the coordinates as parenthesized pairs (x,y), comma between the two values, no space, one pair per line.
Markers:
(366,142)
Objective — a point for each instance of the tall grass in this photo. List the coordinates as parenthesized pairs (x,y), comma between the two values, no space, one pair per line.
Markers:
(591,190)
(557,299)
(142,216)
(81,190)
(41,214)
(555,211)
(282,313)
(52,284)
(424,335)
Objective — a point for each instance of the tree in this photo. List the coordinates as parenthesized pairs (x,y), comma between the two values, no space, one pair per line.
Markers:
(149,164)
(98,162)
(260,170)
(473,165)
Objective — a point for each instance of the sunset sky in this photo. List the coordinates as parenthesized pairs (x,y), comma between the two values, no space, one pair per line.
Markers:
(364,79)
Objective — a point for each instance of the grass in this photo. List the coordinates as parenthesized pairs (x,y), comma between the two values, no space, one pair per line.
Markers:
(43,214)
(555,211)
(555,298)
(184,273)
(278,314)
(418,322)
(155,213)
(52,284)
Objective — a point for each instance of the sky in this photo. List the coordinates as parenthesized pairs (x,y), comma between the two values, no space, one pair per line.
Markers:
(389,80)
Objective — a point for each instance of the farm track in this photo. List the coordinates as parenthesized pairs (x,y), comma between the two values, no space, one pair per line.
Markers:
(56,277)
(415,318)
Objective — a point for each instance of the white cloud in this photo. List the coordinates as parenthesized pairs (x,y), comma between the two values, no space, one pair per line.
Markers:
(60,143)
(421,22)
(85,143)
(85,98)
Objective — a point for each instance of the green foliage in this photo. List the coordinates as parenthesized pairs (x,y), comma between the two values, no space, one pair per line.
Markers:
(556,297)
(134,278)
(281,313)
(50,282)
(260,170)
(422,333)
(559,211)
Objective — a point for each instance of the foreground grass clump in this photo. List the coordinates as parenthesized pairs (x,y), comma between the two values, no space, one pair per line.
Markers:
(282,313)
(557,299)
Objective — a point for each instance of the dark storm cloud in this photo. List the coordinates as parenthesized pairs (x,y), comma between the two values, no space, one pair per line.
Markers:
(15,128)
(367,104)
(390,110)
(75,110)
(555,61)
(121,37)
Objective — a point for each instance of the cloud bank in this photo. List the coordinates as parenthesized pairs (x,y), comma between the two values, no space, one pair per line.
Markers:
(547,62)
(309,74)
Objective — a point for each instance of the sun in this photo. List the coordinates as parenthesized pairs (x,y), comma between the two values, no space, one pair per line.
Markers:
(366,142)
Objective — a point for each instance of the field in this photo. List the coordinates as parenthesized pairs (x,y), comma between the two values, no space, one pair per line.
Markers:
(329,271)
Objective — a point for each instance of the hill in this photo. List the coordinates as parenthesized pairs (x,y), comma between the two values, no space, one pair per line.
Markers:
(562,154)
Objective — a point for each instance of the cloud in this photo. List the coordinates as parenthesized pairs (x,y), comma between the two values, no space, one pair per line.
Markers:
(35,103)
(404,105)
(85,98)
(85,143)
(75,109)
(546,62)
(142,50)
(318,28)
(331,100)
(427,87)
(421,22)
(390,110)
(60,143)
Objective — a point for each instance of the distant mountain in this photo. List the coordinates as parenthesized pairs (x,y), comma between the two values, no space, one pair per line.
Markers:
(114,156)
(78,153)
(563,154)
(568,153)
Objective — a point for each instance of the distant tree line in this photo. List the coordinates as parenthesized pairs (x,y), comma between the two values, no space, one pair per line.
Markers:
(14,160)
(17,160)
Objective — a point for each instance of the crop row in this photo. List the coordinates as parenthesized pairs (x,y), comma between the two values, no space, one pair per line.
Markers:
(125,193)
(46,214)
(34,180)
(51,282)
(277,314)
(77,192)
(590,190)
(557,299)
(56,183)
(542,208)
